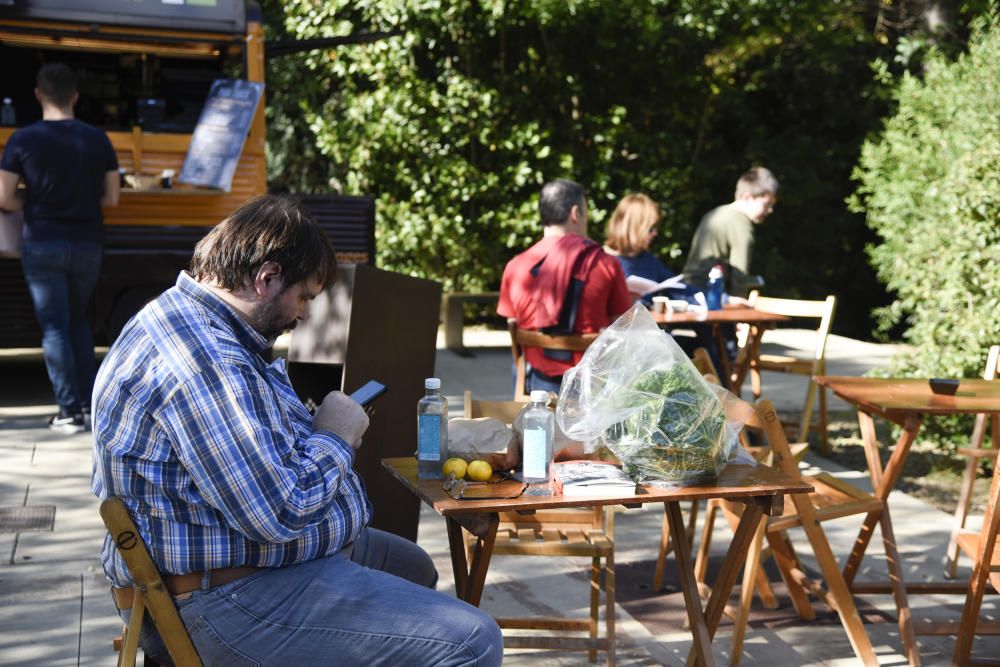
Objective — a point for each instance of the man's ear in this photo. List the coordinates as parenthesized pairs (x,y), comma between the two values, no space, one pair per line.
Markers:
(268,280)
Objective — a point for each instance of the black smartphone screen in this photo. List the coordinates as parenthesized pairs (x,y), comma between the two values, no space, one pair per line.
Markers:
(369,392)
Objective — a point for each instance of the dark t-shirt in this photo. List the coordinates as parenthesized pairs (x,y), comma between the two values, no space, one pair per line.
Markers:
(62,164)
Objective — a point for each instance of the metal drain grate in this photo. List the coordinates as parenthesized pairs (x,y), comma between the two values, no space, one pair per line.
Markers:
(26,519)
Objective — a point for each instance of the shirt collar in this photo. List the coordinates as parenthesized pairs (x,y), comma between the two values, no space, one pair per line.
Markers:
(222,312)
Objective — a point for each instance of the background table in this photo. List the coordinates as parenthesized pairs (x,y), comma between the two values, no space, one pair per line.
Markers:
(757,320)
(903,402)
(760,488)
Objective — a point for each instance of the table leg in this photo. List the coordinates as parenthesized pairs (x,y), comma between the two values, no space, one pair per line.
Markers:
(702,650)
(731,567)
(470,577)
(720,344)
(895,566)
(886,481)
(747,359)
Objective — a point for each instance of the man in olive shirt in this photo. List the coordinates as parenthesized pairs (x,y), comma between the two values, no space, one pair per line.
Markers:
(725,235)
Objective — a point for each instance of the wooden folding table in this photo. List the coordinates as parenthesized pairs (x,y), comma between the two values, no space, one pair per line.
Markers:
(903,402)
(760,488)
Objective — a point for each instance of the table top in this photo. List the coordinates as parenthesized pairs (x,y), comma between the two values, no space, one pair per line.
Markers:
(914,395)
(736,481)
(730,313)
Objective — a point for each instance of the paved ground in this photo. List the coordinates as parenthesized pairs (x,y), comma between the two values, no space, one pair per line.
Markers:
(55,608)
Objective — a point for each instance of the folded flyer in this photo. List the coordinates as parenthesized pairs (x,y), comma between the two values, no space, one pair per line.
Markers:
(589,478)
(644,286)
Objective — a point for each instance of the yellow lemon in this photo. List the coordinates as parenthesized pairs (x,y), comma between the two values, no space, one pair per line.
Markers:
(480,471)
(455,465)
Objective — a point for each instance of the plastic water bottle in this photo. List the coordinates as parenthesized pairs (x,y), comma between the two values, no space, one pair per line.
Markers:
(432,431)
(539,426)
(716,285)
(7,115)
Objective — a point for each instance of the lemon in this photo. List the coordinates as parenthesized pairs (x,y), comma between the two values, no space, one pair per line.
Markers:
(479,471)
(455,465)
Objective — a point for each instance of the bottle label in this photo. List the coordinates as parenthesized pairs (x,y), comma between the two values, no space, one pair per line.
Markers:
(535,453)
(429,438)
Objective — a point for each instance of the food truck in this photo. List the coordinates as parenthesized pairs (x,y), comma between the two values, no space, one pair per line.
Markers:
(147,69)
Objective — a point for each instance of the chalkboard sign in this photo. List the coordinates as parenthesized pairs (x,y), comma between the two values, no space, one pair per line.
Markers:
(220,133)
(208,15)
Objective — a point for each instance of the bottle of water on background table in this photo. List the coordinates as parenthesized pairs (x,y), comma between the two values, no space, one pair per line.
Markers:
(716,286)
(432,431)
(539,427)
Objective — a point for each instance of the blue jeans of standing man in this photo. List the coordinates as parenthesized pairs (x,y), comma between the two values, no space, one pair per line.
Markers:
(61,277)
(370,604)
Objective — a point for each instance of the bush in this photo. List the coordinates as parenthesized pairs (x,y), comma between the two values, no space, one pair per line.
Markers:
(930,186)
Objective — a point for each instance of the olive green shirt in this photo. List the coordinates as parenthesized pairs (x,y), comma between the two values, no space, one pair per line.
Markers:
(724,236)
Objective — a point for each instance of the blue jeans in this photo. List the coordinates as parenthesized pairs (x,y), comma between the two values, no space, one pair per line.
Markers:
(61,277)
(375,606)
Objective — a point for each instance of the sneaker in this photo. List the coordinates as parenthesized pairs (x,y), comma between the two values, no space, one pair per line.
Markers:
(67,423)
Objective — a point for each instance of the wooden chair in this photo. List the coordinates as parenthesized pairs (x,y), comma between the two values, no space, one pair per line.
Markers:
(975,451)
(150,593)
(521,338)
(822,311)
(585,533)
(832,499)
(984,551)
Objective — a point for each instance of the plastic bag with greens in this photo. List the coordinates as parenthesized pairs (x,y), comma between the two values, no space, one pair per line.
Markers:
(636,392)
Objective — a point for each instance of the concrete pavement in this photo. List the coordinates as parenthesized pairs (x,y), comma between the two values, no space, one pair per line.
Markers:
(55,608)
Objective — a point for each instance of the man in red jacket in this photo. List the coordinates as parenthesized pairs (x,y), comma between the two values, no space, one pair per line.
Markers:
(564,284)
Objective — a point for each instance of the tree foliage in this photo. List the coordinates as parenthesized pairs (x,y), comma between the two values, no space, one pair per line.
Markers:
(455,124)
(930,185)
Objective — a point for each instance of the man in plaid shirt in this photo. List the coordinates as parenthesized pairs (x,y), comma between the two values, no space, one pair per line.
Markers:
(248,503)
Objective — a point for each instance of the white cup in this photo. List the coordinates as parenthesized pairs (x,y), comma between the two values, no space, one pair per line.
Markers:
(660,304)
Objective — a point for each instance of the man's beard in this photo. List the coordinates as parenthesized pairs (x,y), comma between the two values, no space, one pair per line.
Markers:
(271,323)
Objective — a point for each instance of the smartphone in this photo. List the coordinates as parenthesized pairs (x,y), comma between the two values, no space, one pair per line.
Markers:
(369,392)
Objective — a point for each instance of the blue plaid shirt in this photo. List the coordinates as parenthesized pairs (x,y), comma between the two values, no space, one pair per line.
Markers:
(211,450)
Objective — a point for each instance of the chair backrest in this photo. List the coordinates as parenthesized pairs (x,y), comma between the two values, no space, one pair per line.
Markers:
(149,590)
(703,362)
(521,338)
(989,373)
(798,308)
(506,411)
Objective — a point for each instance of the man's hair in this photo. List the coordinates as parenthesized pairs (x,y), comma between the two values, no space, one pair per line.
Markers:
(267,228)
(629,226)
(558,199)
(757,182)
(57,83)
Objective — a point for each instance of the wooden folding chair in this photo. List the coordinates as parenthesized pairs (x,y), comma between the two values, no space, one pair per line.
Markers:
(832,499)
(586,533)
(984,551)
(822,311)
(150,593)
(975,452)
(521,338)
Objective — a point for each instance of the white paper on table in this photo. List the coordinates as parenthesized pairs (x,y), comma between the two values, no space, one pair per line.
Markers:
(643,286)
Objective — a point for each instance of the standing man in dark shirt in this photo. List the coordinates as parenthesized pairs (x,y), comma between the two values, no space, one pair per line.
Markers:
(69,171)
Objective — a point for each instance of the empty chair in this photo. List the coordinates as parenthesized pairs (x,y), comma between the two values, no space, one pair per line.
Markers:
(822,312)
(975,452)
(581,533)
(831,499)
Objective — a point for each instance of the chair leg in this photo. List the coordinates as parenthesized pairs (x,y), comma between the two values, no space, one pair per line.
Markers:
(130,635)
(661,559)
(760,583)
(974,599)
(824,422)
(961,514)
(755,382)
(609,597)
(595,590)
(784,556)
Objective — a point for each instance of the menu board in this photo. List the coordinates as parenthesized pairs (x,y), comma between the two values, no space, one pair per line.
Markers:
(221,131)
(211,15)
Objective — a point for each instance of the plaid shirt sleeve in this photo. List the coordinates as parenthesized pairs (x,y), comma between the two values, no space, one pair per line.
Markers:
(268,476)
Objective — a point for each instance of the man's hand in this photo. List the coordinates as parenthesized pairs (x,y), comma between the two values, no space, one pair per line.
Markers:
(341,415)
